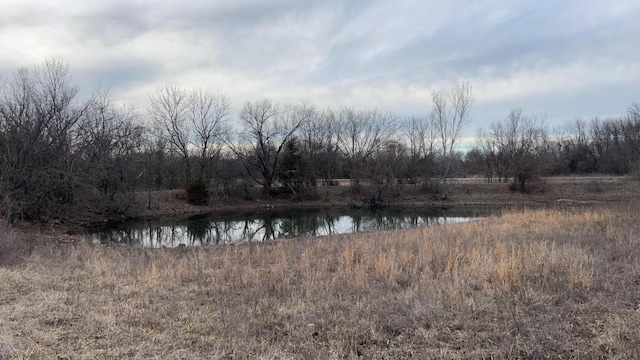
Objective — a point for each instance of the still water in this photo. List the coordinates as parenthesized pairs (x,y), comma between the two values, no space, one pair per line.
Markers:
(242,227)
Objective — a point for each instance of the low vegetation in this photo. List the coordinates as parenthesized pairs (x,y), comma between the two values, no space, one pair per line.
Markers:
(554,283)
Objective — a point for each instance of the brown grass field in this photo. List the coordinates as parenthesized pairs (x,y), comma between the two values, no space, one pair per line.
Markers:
(559,283)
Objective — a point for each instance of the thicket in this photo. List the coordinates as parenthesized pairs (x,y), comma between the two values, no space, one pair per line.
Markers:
(197,192)
(63,155)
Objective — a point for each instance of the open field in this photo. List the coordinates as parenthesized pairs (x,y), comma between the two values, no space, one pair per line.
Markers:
(547,283)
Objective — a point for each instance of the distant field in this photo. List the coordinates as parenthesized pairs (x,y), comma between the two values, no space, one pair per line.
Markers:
(551,179)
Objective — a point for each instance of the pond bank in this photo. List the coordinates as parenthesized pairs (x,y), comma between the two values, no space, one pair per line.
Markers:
(558,192)
(562,191)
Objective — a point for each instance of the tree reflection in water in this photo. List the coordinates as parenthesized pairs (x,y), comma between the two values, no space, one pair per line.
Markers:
(268,226)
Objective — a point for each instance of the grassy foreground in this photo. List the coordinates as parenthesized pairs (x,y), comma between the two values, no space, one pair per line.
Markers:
(532,284)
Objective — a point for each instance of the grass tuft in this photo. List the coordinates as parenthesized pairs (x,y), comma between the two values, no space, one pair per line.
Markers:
(536,284)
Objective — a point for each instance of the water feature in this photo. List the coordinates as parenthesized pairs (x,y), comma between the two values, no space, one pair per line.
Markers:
(239,227)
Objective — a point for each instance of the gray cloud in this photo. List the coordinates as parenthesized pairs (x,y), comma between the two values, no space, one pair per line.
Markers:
(565,59)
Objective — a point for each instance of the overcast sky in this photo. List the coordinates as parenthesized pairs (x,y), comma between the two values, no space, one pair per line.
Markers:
(563,59)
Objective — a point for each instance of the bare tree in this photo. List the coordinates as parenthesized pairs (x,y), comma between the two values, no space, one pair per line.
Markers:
(321,137)
(207,115)
(634,111)
(168,108)
(39,122)
(191,120)
(491,154)
(266,128)
(577,155)
(631,133)
(110,138)
(59,155)
(364,133)
(389,162)
(520,140)
(451,113)
(420,138)
(616,144)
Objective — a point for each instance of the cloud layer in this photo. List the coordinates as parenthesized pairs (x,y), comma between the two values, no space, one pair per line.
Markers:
(564,59)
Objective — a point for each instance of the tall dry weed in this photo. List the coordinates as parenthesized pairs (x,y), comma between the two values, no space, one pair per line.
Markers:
(526,284)
(15,247)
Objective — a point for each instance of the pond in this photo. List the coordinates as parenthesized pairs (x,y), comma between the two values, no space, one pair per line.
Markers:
(240,227)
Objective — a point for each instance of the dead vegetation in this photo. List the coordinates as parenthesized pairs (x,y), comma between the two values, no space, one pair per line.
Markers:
(462,192)
(561,283)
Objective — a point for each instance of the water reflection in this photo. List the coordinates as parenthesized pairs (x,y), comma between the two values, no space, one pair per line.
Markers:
(271,225)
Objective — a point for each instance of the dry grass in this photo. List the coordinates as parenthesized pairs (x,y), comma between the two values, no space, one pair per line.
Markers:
(532,284)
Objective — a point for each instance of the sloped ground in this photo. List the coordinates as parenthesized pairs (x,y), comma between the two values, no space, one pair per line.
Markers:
(547,283)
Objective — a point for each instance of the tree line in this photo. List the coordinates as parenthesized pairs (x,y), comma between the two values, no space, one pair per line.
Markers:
(62,155)
(520,149)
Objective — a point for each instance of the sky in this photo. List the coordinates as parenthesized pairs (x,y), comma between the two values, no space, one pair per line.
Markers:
(562,59)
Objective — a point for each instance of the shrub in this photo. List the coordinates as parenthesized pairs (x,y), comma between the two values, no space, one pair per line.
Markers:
(197,192)
(530,187)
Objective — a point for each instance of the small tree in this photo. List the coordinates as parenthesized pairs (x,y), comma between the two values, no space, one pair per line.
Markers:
(197,192)
(293,170)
